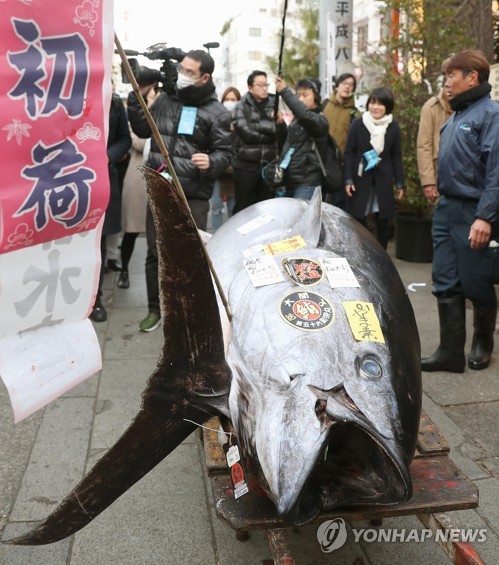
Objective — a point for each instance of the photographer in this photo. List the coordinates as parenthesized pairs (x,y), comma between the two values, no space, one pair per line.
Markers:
(196,131)
(307,135)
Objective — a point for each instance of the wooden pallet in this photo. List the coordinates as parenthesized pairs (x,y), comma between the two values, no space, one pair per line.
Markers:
(438,486)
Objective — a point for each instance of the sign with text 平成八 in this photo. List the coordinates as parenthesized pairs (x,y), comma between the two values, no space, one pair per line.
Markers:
(53,121)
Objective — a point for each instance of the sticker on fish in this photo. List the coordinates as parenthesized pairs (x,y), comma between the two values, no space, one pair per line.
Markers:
(263,270)
(254,224)
(285,245)
(363,321)
(253,250)
(306,311)
(303,271)
(339,273)
(237,474)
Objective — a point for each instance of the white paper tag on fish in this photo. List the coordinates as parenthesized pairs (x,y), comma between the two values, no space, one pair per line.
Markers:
(232,455)
(263,270)
(237,474)
(254,224)
(253,250)
(339,273)
(239,491)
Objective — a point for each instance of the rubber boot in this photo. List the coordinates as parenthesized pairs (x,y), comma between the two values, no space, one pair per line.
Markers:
(484,325)
(450,353)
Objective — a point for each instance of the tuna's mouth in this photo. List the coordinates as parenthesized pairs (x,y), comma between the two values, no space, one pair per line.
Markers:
(357,465)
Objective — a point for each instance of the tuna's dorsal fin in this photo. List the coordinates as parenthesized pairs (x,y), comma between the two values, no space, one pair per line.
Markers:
(309,226)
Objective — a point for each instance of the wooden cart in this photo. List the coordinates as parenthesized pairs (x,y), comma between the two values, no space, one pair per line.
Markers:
(438,486)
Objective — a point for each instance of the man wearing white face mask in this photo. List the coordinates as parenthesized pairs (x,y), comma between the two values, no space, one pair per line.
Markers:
(195,128)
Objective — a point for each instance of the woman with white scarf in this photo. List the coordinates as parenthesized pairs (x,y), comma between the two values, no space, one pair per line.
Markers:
(373,164)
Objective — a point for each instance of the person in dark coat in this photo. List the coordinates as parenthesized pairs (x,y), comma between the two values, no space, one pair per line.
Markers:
(118,144)
(373,163)
(258,140)
(465,224)
(196,130)
(307,135)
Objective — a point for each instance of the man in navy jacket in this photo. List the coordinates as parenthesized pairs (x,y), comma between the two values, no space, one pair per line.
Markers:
(465,217)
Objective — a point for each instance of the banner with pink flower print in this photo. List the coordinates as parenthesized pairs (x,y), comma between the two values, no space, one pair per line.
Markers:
(55,94)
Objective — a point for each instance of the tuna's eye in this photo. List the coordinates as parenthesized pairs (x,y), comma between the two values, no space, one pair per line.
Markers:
(369,367)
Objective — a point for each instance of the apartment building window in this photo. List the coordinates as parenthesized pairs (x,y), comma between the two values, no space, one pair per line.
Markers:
(362,38)
(255,31)
(255,55)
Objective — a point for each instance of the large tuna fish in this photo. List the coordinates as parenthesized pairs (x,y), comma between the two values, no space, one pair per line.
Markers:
(323,419)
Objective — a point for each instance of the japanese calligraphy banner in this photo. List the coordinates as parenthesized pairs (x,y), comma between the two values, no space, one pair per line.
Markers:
(48,284)
(59,359)
(55,92)
(54,73)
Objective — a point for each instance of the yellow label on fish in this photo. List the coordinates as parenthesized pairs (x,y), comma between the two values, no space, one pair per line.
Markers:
(285,245)
(363,321)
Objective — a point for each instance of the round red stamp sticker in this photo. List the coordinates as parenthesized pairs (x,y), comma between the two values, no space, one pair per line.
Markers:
(303,271)
(237,474)
(307,311)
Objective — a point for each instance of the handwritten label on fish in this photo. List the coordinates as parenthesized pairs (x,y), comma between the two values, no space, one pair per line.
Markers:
(306,311)
(285,245)
(303,271)
(363,321)
(254,224)
(263,270)
(339,273)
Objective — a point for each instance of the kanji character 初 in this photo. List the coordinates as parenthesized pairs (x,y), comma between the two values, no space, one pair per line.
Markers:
(62,59)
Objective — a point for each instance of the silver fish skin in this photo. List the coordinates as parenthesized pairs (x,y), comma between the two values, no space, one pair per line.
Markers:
(323,420)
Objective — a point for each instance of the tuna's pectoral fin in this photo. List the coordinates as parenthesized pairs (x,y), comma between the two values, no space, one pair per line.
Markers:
(191,382)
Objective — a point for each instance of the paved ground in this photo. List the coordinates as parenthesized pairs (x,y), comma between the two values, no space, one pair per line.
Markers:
(168,517)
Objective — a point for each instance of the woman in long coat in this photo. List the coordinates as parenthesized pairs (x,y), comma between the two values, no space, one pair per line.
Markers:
(373,164)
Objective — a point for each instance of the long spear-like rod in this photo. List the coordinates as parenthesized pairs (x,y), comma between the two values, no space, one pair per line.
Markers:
(281,51)
(166,157)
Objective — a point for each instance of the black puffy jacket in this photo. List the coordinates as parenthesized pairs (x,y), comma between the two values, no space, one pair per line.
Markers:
(258,137)
(211,135)
(308,127)
(118,144)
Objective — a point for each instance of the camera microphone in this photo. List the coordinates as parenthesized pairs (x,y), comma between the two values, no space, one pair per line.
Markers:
(212,45)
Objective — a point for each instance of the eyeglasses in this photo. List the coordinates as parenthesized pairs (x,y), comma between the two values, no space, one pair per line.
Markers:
(261,84)
(186,72)
(347,83)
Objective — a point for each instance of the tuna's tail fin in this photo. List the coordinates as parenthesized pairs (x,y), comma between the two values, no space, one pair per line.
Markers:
(149,439)
(191,381)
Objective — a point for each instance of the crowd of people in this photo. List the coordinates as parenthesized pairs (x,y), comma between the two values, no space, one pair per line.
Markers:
(220,148)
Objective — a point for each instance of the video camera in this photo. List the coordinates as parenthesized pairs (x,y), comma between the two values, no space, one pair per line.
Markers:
(166,76)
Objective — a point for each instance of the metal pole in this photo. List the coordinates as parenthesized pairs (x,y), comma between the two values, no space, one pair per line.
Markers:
(281,51)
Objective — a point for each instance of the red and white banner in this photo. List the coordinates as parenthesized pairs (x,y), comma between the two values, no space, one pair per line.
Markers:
(53,120)
(55,91)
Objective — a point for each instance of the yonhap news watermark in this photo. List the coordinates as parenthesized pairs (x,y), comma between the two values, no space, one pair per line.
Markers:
(333,534)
